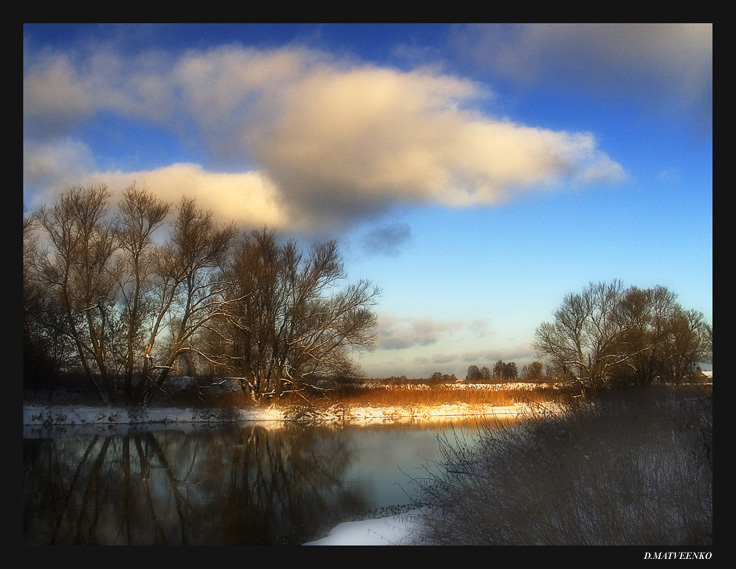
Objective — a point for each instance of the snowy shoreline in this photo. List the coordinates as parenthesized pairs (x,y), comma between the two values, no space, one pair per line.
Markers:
(72,414)
(39,415)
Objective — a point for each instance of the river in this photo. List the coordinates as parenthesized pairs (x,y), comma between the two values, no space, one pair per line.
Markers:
(246,484)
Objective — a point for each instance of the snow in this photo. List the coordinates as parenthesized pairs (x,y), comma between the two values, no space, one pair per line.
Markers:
(38,415)
(392,530)
(35,414)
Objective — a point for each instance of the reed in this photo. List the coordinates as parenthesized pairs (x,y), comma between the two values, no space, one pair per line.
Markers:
(423,395)
(375,393)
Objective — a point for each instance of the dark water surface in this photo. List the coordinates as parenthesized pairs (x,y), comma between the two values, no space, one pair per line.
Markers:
(225,485)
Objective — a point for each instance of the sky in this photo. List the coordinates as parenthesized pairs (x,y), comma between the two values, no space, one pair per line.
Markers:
(475,173)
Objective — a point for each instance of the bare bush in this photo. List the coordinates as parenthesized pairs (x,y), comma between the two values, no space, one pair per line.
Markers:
(626,470)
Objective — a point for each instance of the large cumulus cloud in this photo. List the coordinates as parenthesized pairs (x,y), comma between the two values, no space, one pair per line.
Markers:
(291,137)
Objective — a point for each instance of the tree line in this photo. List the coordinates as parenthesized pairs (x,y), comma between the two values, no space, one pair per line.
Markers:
(123,295)
(502,371)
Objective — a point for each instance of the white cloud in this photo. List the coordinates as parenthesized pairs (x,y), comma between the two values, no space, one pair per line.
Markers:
(248,199)
(320,142)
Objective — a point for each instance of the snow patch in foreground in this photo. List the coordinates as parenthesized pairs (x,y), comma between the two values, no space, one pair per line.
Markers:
(393,530)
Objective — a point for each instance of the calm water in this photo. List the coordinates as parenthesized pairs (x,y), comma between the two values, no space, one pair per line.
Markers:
(229,485)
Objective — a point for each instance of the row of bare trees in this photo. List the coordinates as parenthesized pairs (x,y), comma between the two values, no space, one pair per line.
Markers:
(610,334)
(502,371)
(122,296)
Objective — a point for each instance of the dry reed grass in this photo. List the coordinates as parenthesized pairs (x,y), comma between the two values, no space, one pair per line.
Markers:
(426,395)
(370,393)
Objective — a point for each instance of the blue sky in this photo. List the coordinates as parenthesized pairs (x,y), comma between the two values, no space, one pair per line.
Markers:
(475,173)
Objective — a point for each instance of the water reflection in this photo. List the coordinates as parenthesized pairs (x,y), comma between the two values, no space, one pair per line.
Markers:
(224,486)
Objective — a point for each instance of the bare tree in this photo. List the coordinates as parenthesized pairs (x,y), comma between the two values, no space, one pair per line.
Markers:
(689,341)
(583,339)
(505,370)
(140,214)
(608,333)
(645,315)
(43,343)
(188,291)
(474,373)
(283,325)
(533,371)
(77,270)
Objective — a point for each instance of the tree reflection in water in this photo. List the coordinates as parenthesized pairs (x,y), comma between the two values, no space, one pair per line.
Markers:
(220,486)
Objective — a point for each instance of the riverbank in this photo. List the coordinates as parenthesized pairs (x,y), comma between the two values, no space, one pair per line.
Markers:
(98,417)
(371,403)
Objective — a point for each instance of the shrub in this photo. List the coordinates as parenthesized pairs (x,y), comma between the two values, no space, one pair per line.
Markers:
(630,468)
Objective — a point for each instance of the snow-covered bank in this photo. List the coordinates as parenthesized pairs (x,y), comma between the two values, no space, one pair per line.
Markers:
(42,420)
(68,414)
(35,414)
(65,420)
(77,415)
